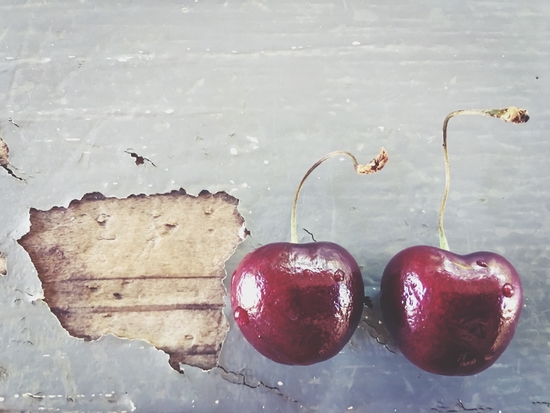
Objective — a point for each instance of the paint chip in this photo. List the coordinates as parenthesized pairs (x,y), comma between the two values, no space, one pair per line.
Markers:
(3,265)
(144,267)
(5,160)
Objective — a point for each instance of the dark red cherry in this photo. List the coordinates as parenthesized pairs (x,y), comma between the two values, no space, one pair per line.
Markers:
(450,314)
(297,303)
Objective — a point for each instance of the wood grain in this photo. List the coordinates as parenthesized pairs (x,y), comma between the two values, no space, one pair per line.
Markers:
(143,267)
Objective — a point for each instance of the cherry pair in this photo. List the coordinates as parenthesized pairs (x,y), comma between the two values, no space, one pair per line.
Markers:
(449,314)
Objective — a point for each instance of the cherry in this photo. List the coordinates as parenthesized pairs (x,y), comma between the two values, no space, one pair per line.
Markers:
(452,314)
(299,304)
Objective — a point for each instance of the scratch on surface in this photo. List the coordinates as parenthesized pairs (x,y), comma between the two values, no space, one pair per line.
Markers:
(459,407)
(376,328)
(547,404)
(243,379)
(121,402)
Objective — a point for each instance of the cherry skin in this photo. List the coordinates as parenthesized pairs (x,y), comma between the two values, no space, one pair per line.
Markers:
(297,304)
(450,314)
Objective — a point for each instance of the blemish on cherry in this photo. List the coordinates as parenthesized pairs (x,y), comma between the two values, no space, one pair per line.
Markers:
(507,290)
(339,276)
(481,263)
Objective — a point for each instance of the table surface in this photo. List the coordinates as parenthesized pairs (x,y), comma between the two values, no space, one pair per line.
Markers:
(243,97)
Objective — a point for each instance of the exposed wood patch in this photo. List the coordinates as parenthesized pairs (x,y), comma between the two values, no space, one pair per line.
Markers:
(5,159)
(143,267)
(3,265)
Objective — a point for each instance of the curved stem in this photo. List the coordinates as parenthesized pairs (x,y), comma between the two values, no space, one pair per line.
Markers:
(510,114)
(373,166)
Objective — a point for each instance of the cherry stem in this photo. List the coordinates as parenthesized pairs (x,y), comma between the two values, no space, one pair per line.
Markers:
(372,167)
(510,114)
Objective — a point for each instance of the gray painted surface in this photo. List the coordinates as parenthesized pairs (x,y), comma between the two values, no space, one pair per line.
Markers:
(244,96)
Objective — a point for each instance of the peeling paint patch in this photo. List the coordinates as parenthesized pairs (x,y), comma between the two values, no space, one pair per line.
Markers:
(142,267)
(5,160)
(3,265)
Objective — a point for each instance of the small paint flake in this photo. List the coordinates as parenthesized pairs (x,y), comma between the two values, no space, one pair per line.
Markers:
(266,162)
(279,383)
(356,43)
(233,151)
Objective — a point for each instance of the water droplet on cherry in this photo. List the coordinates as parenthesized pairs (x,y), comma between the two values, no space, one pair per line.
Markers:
(241,316)
(339,276)
(507,290)
(482,263)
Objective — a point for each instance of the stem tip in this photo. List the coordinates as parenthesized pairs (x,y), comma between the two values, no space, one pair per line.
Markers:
(515,115)
(375,165)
